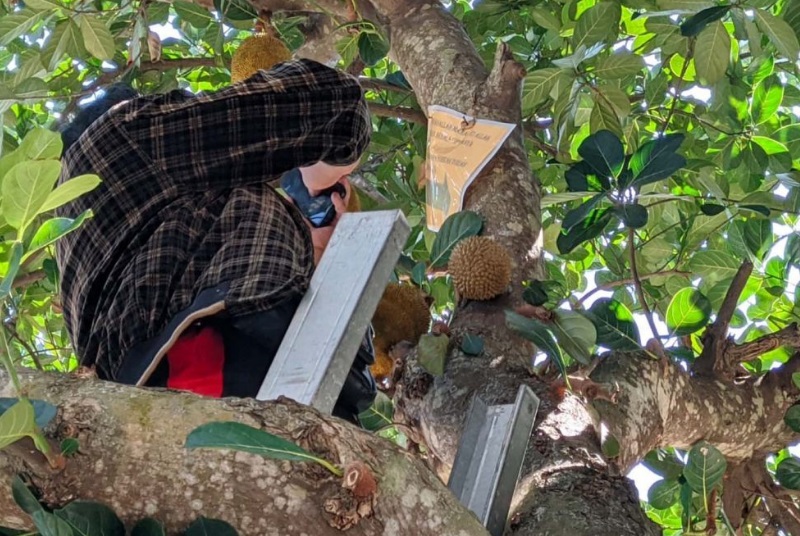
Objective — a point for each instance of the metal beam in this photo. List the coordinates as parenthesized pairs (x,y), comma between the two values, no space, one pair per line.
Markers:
(490,455)
(321,343)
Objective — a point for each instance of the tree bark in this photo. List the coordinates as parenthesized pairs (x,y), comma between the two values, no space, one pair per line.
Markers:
(132,458)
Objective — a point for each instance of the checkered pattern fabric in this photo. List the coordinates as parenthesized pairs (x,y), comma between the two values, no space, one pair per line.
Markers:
(185,206)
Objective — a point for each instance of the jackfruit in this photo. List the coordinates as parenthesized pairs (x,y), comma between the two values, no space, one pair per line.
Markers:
(260,51)
(480,267)
(401,315)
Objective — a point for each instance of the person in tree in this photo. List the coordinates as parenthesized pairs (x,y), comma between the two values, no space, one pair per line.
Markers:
(191,269)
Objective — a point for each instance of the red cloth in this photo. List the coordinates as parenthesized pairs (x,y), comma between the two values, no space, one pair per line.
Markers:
(196,362)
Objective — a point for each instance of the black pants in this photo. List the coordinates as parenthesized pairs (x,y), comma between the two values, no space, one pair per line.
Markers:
(250,344)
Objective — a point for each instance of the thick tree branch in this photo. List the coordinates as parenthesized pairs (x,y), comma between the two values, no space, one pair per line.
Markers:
(399,112)
(734,354)
(716,337)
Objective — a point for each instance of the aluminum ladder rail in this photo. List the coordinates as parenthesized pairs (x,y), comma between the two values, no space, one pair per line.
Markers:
(319,347)
(490,455)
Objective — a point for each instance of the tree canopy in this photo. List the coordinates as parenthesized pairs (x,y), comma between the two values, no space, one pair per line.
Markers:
(663,134)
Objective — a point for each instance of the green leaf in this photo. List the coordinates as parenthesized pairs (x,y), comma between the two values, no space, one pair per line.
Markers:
(379,414)
(66,40)
(50,525)
(418,273)
(788,473)
(13,268)
(596,24)
(575,334)
(537,333)
(347,47)
(210,527)
(589,229)
(715,44)
(713,265)
(619,66)
(195,15)
(5,531)
(535,293)
(96,37)
(41,144)
(16,423)
(579,214)
(53,229)
(662,495)
(616,328)
(42,5)
(17,24)
(711,209)
(767,98)
(235,9)
(657,159)
(780,34)
(704,468)
(44,411)
(696,23)
(69,191)
(792,418)
(688,311)
(472,344)
(372,47)
(603,152)
(24,497)
(25,189)
(157,12)
(604,117)
(455,228)
(538,85)
(238,436)
(761,209)
(91,519)
(148,527)
(432,353)
(633,215)
(69,446)
(664,463)
(757,236)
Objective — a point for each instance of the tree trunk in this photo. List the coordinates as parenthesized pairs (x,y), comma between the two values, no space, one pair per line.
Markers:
(132,458)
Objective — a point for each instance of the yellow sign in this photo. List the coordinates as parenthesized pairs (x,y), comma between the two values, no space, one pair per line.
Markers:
(458,149)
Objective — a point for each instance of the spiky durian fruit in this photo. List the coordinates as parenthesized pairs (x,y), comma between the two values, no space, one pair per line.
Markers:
(402,315)
(480,267)
(260,51)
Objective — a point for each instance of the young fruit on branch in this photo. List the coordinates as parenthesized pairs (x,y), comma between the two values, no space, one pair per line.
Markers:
(480,267)
(261,51)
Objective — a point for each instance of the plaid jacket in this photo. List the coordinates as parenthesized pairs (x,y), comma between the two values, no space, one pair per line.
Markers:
(185,224)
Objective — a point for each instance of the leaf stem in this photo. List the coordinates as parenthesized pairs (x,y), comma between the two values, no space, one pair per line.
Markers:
(679,86)
(637,282)
(5,355)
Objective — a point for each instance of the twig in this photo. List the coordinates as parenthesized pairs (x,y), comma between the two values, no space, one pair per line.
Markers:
(530,131)
(715,337)
(637,282)
(400,112)
(679,86)
(34,355)
(628,281)
(28,279)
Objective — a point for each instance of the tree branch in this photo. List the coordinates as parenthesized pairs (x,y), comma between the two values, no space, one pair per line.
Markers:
(659,346)
(377,84)
(400,112)
(715,337)
(628,281)
(733,354)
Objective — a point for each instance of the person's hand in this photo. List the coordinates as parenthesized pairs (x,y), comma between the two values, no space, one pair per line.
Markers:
(320,236)
(321,176)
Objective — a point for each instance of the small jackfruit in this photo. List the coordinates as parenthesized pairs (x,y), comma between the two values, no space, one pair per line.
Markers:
(261,51)
(480,267)
(401,315)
